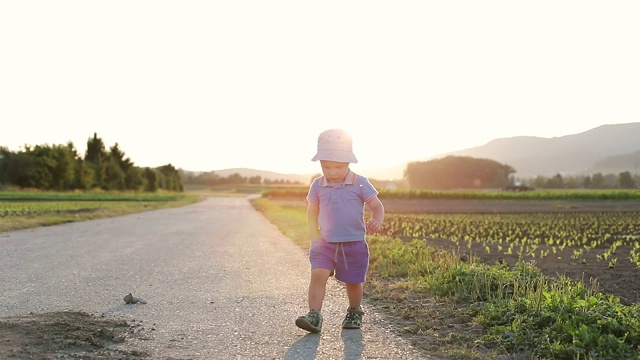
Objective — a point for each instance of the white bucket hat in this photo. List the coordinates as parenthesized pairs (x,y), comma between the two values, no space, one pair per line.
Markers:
(335,145)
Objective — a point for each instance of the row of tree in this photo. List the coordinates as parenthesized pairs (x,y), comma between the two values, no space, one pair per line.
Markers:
(210,178)
(459,172)
(623,180)
(61,168)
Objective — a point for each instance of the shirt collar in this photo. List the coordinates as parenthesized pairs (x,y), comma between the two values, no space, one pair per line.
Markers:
(350,179)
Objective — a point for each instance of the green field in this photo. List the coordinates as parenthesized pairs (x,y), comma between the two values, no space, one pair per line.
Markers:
(456,305)
(448,301)
(25,209)
(535,235)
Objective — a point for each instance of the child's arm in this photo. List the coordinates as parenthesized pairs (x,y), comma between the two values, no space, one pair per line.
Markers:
(377,215)
(312,220)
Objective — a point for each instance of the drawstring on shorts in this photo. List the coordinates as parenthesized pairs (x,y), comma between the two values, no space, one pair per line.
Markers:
(344,257)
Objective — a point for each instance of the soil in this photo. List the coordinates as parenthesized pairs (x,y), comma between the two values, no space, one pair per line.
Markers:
(78,335)
(622,280)
(69,335)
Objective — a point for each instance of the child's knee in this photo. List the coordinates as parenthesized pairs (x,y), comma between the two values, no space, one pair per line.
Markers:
(320,274)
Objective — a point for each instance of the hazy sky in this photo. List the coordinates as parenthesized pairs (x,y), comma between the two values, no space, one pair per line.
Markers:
(207,85)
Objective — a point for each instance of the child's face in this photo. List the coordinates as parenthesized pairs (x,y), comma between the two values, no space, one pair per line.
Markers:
(334,171)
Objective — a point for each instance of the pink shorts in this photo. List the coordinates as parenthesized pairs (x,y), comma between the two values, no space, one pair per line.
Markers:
(349,260)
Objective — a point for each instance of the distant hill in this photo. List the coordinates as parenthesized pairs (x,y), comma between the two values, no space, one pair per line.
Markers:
(607,148)
(615,164)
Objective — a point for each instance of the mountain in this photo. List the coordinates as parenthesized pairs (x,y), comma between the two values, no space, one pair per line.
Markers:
(607,148)
(274,176)
(615,164)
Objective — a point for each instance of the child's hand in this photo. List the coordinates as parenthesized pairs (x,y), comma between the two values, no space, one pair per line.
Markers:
(373,226)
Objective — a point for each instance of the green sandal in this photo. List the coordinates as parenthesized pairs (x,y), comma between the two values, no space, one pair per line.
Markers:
(353,320)
(312,322)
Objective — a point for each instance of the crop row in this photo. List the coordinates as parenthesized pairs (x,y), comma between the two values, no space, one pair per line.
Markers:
(533,234)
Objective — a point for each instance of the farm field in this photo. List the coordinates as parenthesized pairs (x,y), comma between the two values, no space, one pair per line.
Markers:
(591,242)
(23,210)
(622,279)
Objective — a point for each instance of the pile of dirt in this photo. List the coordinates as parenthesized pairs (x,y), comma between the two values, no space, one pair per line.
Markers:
(70,335)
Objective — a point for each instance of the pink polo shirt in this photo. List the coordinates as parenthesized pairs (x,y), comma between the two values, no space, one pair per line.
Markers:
(341,216)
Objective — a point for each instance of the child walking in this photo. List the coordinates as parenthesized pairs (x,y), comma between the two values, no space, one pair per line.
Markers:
(337,228)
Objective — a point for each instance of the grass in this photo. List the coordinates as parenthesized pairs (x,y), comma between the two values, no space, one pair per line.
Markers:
(26,209)
(32,208)
(291,220)
(451,306)
(456,307)
(89,196)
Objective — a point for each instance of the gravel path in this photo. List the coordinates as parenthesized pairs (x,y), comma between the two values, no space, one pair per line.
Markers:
(221,282)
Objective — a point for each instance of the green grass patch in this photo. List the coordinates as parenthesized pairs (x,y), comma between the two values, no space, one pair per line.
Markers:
(290,220)
(88,196)
(521,312)
(21,210)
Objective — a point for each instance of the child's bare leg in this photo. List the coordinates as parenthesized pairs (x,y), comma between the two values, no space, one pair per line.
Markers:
(317,288)
(355,293)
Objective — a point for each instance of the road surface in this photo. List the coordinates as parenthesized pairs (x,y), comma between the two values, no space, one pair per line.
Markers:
(221,282)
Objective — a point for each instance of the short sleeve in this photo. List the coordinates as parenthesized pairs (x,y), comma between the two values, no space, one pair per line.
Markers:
(312,195)
(368,191)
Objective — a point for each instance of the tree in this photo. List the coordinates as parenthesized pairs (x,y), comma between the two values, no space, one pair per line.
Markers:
(116,171)
(626,181)
(570,182)
(455,172)
(44,163)
(169,178)
(597,181)
(236,178)
(97,158)
(64,163)
(4,160)
(59,167)
(119,157)
(133,178)
(20,169)
(207,178)
(255,180)
(540,182)
(151,180)
(83,176)
(555,182)
(610,181)
(114,178)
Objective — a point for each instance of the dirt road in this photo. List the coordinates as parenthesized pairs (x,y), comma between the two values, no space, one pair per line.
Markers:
(220,282)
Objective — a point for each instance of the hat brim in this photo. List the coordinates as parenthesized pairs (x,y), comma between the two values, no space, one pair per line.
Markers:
(335,155)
